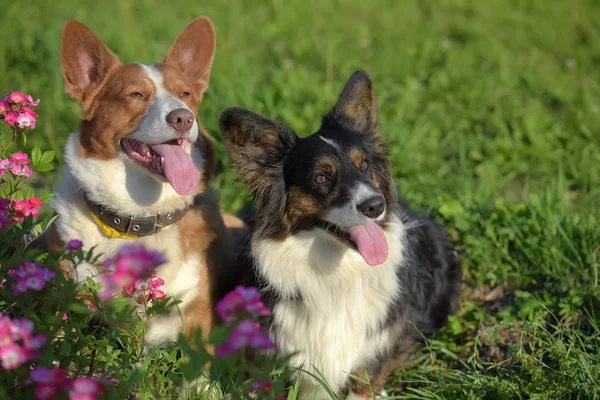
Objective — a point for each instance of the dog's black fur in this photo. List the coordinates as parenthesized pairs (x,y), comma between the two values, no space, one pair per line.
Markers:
(282,171)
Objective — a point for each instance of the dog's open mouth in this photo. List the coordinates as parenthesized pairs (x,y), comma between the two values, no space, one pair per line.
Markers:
(369,240)
(169,159)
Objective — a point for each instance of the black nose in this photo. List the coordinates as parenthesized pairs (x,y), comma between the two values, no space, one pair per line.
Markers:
(181,120)
(372,207)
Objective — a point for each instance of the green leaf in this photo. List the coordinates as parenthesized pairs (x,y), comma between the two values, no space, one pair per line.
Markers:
(48,156)
(43,167)
(46,196)
(36,155)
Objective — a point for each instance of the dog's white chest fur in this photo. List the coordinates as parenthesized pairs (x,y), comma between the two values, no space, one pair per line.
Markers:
(181,275)
(333,326)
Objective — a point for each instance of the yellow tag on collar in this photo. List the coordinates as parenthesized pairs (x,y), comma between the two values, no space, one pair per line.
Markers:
(111,232)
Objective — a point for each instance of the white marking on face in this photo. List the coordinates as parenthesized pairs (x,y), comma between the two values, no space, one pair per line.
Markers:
(331,142)
(349,214)
(154,128)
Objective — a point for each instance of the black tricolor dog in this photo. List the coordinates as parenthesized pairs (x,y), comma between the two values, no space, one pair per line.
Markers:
(347,269)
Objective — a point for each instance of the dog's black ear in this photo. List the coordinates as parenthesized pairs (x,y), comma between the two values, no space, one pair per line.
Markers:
(257,146)
(356,108)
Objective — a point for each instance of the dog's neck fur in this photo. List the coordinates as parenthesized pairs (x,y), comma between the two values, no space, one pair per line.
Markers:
(327,291)
(119,184)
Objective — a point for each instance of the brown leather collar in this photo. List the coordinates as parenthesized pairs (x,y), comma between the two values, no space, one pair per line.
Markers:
(134,226)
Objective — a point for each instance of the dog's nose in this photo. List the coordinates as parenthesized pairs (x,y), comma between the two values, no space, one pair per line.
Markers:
(181,120)
(372,207)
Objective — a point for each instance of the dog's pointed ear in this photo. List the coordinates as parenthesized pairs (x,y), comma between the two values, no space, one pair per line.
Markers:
(356,107)
(193,53)
(257,146)
(85,59)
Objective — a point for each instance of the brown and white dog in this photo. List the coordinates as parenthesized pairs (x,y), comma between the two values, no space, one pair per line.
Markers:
(137,170)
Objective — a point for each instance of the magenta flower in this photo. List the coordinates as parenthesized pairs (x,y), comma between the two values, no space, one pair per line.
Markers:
(4,107)
(45,392)
(18,344)
(74,245)
(17,97)
(27,118)
(85,389)
(5,165)
(12,356)
(24,208)
(133,262)
(20,158)
(242,300)
(246,334)
(49,382)
(145,290)
(29,100)
(31,276)
(21,170)
(11,117)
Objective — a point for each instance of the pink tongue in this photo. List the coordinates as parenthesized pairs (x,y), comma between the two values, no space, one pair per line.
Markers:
(179,168)
(371,242)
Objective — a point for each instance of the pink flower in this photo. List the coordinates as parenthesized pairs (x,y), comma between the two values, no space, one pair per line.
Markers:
(12,356)
(85,389)
(17,97)
(20,158)
(30,112)
(5,165)
(45,392)
(49,382)
(17,342)
(145,290)
(157,294)
(74,244)
(65,317)
(11,117)
(34,342)
(246,334)
(239,301)
(132,263)
(24,208)
(29,100)
(91,306)
(21,170)
(26,120)
(4,107)
(31,276)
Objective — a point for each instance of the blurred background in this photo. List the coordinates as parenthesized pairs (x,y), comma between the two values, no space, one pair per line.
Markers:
(490,109)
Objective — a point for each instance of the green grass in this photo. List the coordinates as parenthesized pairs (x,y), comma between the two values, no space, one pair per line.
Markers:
(491,111)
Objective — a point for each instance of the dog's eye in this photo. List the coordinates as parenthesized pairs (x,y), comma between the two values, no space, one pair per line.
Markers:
(184,94)
(364,165)
(321,179)
(136,94)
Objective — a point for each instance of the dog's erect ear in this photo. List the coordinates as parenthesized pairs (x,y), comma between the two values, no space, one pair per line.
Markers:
(193,53)
(257,146)
(356,107)
(84,58)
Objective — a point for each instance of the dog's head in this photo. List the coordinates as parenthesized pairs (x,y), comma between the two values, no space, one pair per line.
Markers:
(140,143)
(336,180)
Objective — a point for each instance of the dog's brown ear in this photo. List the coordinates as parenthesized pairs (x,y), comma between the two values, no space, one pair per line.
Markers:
(257,146)
(193,53)
(356,107)
(84,58)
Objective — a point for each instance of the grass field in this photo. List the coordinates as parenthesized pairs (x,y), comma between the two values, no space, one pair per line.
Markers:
(491,111)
